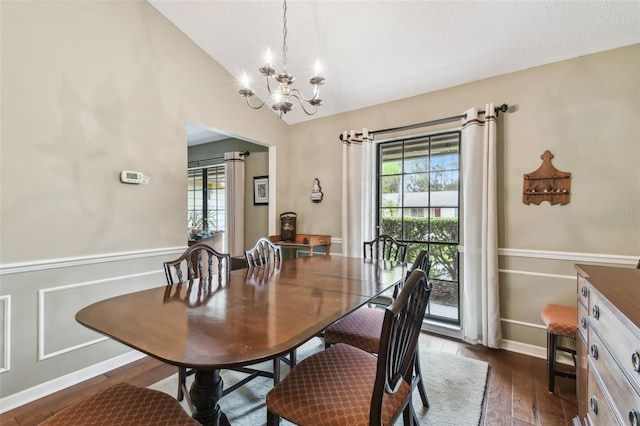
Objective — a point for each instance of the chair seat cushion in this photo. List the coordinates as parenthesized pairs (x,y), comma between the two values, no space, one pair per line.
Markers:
(124,405)
(559,319)
(333,387)
(361,328)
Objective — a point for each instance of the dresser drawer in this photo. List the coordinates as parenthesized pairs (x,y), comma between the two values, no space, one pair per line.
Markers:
(623,338)
(623,396)
(599,412)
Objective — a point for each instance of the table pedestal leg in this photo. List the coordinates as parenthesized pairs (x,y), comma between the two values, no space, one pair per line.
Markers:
(205,392)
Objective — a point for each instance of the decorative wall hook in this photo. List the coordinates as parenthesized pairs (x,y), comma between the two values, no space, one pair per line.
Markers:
(546,184)
(316,192)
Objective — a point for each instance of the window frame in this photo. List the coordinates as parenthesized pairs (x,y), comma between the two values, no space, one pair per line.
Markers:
(430,210)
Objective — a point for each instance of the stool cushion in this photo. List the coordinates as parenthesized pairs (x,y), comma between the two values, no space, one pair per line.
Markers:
(124,404)
(560,320)
(360,328)
(333,387)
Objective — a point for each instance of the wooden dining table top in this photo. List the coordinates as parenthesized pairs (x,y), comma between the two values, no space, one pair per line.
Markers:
(248,316)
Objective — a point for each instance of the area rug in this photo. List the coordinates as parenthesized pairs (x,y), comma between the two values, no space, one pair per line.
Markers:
(455,388)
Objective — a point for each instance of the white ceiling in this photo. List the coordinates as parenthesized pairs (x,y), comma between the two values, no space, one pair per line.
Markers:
(379,51)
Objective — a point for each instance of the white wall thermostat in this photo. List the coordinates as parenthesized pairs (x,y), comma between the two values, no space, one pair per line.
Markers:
(134,177)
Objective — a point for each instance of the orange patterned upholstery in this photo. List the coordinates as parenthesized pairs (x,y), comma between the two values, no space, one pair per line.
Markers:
(360,328)
(560,320)
(123,405)
(332,387)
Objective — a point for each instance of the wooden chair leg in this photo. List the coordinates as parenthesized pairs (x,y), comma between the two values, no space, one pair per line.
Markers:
(551,360)
(421,388)
(272,419)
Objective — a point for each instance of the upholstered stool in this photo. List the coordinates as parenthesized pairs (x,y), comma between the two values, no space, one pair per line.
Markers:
(560,321)
(124,404)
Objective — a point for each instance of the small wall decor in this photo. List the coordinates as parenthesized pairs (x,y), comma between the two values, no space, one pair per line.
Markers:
(260,190)
(316,192)
(546,184)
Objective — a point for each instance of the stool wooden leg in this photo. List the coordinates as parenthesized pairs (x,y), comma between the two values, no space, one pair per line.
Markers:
(551,359)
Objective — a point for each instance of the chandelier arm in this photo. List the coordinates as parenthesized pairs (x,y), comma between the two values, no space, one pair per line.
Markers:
(260,106)
(269,87)
(298,94)
(300,101)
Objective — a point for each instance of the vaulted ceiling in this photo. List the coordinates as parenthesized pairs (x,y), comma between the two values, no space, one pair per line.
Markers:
(379,51)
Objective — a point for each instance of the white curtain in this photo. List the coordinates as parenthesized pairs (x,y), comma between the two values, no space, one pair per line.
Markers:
(481,304)
(234,173)
(358,186)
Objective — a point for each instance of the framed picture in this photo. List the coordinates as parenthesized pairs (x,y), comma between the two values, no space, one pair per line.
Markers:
(260,190)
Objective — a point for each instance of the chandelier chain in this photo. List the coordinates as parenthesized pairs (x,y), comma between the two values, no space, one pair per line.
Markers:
(284,33)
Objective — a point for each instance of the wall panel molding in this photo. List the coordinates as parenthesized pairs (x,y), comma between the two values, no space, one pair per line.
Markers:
(6,334)
(42,355)
(40,265)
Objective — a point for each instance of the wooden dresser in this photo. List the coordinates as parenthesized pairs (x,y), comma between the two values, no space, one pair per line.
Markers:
(608,346)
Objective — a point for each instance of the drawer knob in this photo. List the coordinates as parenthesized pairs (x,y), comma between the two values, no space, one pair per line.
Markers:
(593,402)
(635,360)
(594,351)
(583,321)
(585,292)
(596,311)
(634,417)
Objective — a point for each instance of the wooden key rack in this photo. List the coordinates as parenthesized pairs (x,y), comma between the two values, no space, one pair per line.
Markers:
(546,184)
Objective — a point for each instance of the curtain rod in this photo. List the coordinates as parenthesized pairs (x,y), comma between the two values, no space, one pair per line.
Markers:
(502,108)
(221,157)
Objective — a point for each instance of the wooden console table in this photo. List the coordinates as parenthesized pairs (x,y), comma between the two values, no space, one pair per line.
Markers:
(304,242)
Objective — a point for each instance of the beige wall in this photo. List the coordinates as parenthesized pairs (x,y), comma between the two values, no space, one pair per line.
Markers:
(90,89)
(93,88)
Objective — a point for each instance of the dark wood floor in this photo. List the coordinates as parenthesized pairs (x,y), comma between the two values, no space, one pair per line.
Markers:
(517,389)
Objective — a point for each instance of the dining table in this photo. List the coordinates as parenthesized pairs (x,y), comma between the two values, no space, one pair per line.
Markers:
(243,317)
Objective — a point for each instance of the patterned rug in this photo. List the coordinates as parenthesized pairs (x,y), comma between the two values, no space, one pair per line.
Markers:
(455,388)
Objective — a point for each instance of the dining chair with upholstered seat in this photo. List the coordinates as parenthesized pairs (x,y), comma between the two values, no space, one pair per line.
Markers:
(123,404)
(363,328)
(348,386)
(263,252)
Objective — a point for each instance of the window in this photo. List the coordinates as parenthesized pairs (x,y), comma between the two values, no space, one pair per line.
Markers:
(418,188)
(206,199)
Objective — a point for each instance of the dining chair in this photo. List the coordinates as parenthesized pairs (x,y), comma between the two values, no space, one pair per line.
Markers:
(263,252)
(260,260)
(123,404)
(363,328)
(346,385)
(203,263)
(385,247)
(199,261)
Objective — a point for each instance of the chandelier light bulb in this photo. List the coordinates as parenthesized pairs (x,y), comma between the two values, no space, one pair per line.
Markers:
(281,96)
(268,57)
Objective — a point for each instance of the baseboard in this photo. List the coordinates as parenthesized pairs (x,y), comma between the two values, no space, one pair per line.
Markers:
(40,391)
(534,351)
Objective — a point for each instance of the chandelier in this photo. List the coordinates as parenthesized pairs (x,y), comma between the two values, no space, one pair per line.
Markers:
(283,94)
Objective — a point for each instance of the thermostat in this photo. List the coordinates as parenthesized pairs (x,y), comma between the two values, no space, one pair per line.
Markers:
(133,177)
